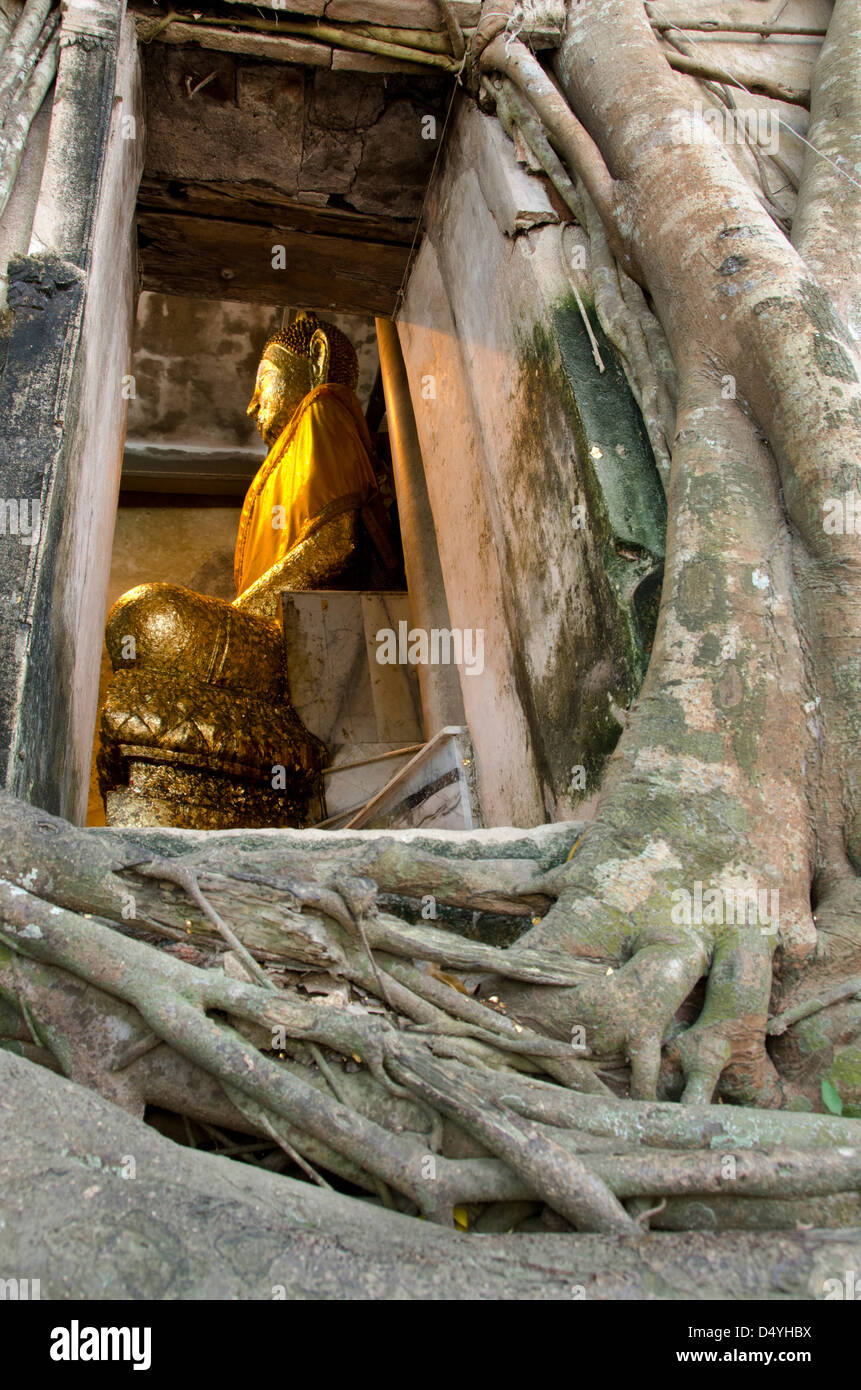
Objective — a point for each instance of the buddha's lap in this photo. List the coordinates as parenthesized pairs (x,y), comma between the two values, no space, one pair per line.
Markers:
(166,627)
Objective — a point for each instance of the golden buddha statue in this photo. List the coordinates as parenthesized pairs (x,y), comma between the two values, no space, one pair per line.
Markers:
(198,728)
(299,521)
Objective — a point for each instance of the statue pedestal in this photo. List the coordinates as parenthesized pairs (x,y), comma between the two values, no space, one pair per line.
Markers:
(339,689)
(192,754)
(364,712)
(369,714)
(171,794)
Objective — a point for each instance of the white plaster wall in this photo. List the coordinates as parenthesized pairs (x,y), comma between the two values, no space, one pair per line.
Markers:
(529,450)
(84,564)
(500,461)
(452,451)
(488,309)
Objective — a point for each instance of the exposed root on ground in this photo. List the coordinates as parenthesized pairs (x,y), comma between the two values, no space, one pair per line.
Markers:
(357,1044)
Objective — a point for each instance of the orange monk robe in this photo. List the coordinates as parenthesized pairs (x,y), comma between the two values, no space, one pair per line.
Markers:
(318,467)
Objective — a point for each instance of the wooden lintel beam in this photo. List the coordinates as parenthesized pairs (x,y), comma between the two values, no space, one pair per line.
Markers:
(412,14)
(297,39)
(213,259)
(232,201)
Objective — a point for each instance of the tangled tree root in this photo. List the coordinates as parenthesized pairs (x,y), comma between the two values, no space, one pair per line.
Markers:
(295,1009)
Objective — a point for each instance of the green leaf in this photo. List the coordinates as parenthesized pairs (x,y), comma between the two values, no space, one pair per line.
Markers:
(830,1098)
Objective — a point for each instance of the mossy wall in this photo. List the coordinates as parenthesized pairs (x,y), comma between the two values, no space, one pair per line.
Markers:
(62,413)
(565,495)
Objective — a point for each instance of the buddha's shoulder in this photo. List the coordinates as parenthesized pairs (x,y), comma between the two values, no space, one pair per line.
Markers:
(332,407)
(332,398)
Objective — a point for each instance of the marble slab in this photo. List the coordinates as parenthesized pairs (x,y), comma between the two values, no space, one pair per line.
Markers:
(359,771)
(339,690)
(436,788)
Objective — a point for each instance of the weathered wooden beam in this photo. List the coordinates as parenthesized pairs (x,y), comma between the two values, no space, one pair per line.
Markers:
(234,201)
(349,60)
(215,259)
(284,49)
(429,40)
(285,40)
(309,7)
(407,14)
(348,45)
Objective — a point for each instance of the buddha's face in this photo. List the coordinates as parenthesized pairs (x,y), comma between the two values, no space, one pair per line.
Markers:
(278,393)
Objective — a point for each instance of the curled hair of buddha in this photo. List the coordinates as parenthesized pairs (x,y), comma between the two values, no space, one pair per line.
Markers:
(343,362)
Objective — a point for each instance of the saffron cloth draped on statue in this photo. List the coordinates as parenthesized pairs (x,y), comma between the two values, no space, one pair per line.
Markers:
(319,466)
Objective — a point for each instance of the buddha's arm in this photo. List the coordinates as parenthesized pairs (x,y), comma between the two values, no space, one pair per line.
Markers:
(311,564)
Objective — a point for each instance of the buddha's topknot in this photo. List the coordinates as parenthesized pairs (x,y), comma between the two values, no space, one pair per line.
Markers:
(343,362)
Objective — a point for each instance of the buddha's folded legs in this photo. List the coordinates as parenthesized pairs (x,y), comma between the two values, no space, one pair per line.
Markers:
(198,727)
(162,627)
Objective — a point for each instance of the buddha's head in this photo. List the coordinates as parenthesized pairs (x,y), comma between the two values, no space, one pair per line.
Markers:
(308,354)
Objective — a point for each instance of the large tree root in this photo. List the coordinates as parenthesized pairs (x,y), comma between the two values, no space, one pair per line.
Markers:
(448,1111)
(190,1225)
